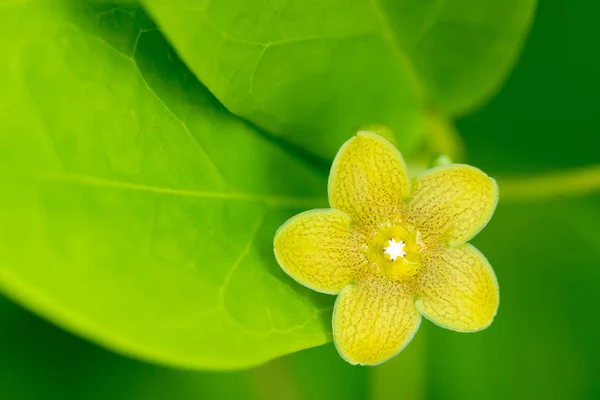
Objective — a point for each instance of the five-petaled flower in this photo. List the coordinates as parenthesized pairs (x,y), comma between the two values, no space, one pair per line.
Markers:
(394,249)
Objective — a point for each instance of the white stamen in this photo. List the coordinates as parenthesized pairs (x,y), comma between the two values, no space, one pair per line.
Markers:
(395,249)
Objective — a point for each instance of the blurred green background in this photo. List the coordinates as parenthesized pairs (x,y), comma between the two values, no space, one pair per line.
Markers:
(544,342)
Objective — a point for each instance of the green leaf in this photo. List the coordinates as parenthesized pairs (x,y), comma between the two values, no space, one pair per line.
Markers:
(313,72)
(68,368)
(134,209)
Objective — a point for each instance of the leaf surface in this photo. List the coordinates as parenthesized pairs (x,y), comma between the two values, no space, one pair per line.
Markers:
(136,210)
(315,71)
(68,368)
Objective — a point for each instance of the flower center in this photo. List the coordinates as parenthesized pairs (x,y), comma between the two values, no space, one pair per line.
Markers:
(394,249)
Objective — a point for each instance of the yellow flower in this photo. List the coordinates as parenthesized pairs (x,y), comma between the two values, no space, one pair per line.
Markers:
(394,249)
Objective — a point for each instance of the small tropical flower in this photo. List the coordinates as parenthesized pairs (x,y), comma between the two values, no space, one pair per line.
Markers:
(394,250)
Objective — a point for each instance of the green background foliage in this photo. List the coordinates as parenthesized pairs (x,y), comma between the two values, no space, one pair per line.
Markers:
(137,205)
(313,71)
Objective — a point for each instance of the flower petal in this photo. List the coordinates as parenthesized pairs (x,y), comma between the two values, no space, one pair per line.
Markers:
(368,179)
(458,290)
(320,250)
(452,202)
(373,321)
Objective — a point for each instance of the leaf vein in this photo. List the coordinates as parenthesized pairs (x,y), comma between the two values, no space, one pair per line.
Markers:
(277,201)
(240,259)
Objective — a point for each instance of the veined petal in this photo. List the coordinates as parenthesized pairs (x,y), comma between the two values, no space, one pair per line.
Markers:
(320,250)
(368,179)
(373,321)
(458,290)
(452,202)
